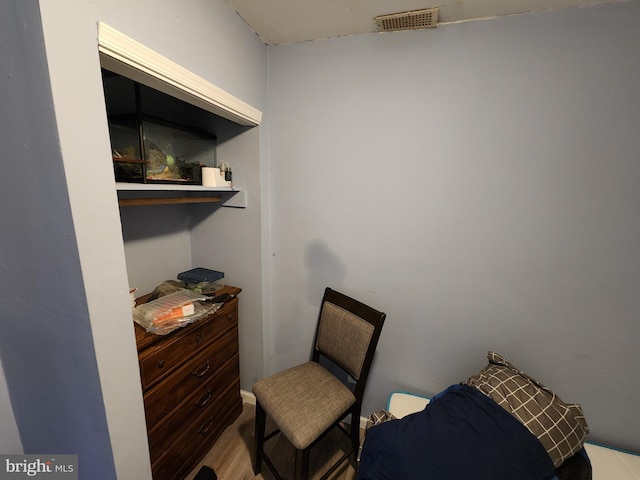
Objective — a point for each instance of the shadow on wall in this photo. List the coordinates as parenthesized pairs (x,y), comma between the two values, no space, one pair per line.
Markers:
(139,223)
(324,269)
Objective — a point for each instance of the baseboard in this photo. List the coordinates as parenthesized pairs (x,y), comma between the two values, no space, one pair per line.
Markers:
(363,423)
(250,399)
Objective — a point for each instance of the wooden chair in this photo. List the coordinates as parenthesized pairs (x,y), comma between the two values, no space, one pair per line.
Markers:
(307,401)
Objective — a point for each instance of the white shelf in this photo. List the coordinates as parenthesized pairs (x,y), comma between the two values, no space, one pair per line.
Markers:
(170,187)
(141,194)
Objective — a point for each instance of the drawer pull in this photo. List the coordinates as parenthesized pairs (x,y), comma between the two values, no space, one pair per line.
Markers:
(198,338)
(160,363)
(204,399)
(206,426)
(202,369)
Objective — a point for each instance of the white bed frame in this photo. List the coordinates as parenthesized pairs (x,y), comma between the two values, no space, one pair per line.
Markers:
(607,463)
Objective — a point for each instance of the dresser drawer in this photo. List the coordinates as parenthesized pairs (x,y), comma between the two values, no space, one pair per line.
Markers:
(163,397)
(206,400)
(162,358)
(197,438)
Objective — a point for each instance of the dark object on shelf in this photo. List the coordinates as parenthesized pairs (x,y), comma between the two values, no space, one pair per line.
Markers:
(200,274)
(128,164)
(149,149)
(175,154)
(206,473)
(223,297)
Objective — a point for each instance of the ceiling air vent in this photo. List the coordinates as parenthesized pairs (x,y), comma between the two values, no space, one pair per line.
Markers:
(413,20)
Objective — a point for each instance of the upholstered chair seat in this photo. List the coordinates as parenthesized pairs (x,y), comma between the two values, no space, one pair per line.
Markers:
(303,401)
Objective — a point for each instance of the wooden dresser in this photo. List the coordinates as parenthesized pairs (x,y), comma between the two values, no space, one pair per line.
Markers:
(191,385)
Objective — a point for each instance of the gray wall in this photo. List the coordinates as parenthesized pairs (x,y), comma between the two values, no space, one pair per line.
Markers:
(479,183)
(47,349)
(67,349)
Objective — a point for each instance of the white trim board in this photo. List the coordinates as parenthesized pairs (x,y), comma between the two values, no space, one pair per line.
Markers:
(125,56)
(248,397)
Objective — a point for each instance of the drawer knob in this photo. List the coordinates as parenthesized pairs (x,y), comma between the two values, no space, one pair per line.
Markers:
(204,399)
(160,363)
(202,369)
(198,338)
(206,426)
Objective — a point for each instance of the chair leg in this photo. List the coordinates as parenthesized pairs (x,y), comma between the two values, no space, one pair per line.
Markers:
(355,437)
(261,420)
(301,471)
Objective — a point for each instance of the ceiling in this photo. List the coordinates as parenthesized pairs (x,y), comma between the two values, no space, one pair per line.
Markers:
(279,22)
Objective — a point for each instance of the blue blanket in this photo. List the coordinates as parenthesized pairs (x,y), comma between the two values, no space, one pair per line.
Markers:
(461,434)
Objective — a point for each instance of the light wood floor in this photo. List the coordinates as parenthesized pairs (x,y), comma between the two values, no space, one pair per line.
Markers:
(231,456)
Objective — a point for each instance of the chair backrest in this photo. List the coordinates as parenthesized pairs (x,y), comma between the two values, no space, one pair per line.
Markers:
(347,334)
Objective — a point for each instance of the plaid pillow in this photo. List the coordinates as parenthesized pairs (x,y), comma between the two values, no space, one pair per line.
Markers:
(560,427)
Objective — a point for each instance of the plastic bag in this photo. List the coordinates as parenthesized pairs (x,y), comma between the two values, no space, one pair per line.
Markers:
(172,311)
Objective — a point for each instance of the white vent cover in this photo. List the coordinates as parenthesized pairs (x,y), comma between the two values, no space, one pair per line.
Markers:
(413,20)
